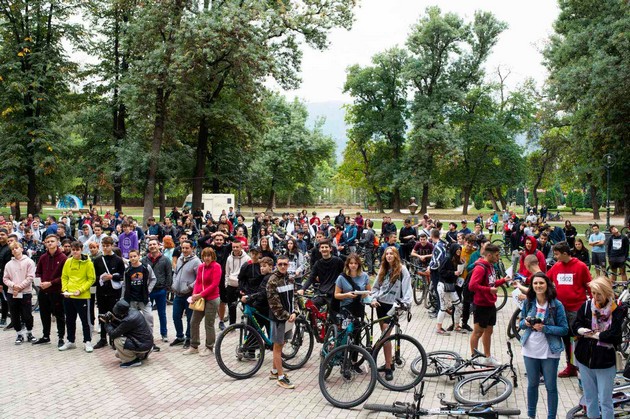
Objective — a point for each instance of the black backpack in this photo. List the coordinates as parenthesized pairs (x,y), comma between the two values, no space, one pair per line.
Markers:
(469,295)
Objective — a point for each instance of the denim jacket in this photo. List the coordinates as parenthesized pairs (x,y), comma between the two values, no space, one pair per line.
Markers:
(555,327)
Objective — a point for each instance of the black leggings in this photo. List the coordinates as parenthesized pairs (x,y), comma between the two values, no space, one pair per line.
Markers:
(51,304)
(21,312)
(232,295)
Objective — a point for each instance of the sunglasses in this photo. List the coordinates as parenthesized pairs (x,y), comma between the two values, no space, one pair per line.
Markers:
(283,264)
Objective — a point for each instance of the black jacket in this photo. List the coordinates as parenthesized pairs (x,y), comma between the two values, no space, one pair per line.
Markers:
(586,349)
(326,271)
(135,328)
(116,267)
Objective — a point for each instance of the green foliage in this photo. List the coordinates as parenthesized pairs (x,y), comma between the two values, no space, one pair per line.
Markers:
(574,199)
(478,200)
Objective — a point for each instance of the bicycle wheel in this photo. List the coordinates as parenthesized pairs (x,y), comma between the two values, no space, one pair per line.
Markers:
(482,389)
(240,351)
(388,408)
(576,412)
(343,383)
(297,350)
(330,341)
(405,350)
(502,297)
(514,330)
(431,300)
(438,362)
(420,289)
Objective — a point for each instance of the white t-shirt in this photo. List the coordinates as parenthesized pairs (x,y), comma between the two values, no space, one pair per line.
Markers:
(537,346)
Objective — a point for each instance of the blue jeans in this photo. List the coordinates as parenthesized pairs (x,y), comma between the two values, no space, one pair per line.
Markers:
(598,385)
(549,370)
(180,304)
(158,300)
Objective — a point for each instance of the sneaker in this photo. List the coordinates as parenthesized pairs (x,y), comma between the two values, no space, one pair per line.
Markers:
(491,361)
(88,347)
(42,340)
(442,332)
(186,344)
(450,328)
(19,340)
(164,339)
(358,369)
(433,315)
(100,344)
(205,351)
(190,351)
(221,326)
(60,343)
(67,345)
(177,341)
(273,375)
(467,328)
(30,338)
(156,348)
(383,368)
(389,375)
(569,371)
(134,363)
(284,382)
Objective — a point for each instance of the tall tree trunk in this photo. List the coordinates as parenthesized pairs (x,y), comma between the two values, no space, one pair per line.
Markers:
(96,197)
(289,196)
(619,207)
(250,198)
(119,111)
(424,201)
(467,192)
(493,199)
(162,201)
(396,204)
(594,203)
(154,156)
(271,203)
(379,200)
(200,165)
(216,185)
(502,199)
(32,206)
(15,209)
(626,204)
(85,194)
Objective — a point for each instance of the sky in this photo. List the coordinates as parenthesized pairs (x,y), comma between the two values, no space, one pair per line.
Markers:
(382,24)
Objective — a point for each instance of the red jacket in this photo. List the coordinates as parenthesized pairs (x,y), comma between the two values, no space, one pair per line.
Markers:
(542,263)
(483,277)
(207,282)
(49,269)
(571,280)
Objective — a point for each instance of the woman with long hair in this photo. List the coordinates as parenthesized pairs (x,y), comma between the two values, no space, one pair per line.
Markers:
(449,271)
(296,261)
(581,252)
(207,287)
(570,232)
(392,282)
(350,280)
(169,247)
(598,327)
(265,249)
(544,322)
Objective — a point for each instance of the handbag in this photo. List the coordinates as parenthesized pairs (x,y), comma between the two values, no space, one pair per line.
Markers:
(620,361)
(200,304)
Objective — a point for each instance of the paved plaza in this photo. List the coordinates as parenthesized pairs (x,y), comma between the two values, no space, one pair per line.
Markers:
(40,381)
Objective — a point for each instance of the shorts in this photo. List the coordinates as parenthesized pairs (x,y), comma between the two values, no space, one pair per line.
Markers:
(382,310)
(223,291)
(617,262)
(279,334)
(598,258)
(485,316)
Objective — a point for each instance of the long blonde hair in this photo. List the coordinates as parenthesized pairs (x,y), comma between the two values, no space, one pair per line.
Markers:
(395,270)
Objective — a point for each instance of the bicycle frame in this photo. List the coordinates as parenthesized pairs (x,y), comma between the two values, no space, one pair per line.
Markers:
(249,317)
(314,315)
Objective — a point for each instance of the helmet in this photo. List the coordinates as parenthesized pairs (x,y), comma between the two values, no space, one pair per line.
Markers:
(121,308)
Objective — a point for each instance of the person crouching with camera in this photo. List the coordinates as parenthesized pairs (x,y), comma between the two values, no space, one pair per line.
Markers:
(130,334)
(544,322)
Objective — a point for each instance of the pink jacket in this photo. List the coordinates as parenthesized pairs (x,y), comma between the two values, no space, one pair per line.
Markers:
(20,272)
(207,282)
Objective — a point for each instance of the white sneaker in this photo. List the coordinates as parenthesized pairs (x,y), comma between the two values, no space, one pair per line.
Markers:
(492,361)
(190,351)
(67,345)
(205,351)
(164,339)
(88,347)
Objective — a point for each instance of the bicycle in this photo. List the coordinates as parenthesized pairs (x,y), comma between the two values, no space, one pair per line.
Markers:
(419,282)
(376,260)
(240,348)
(414,410)
(621,399)
(475,382)
(555,217)
(504,247)
(318,319)
(402,355)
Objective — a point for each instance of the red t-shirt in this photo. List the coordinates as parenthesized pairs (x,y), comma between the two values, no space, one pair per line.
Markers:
(571,280)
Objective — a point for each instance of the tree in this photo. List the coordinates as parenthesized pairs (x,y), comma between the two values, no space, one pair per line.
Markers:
(447,57)
(379,113)
(588,58)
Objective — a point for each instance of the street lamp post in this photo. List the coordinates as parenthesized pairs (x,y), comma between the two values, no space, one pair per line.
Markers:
(240,181)
(609,161)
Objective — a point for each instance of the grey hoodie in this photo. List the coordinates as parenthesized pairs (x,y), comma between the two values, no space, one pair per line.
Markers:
(185,275)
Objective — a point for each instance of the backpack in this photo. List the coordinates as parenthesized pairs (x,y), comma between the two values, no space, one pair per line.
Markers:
(469,295)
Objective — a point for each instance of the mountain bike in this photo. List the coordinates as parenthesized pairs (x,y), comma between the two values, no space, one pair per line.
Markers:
(504,247)
(318,319)
(240,348)
(477,383)
(414,410)
(419,282)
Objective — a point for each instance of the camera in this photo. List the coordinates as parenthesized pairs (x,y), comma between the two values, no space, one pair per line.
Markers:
(533,320)
(106,318)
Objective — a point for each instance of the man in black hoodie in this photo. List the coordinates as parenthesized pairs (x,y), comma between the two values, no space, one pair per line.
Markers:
(110,270)
(130,333)
(325,271)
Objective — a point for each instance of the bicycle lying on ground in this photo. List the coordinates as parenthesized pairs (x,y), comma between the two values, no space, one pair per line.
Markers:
(477,383)
(240,348)
(414,410)
(342,378)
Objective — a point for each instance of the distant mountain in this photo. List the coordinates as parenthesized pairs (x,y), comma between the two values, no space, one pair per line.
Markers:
(335,126)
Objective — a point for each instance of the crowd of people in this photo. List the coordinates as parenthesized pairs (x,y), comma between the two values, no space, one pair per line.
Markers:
(205,265)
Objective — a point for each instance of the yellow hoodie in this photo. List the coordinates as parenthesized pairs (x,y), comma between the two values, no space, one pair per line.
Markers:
(78,275)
